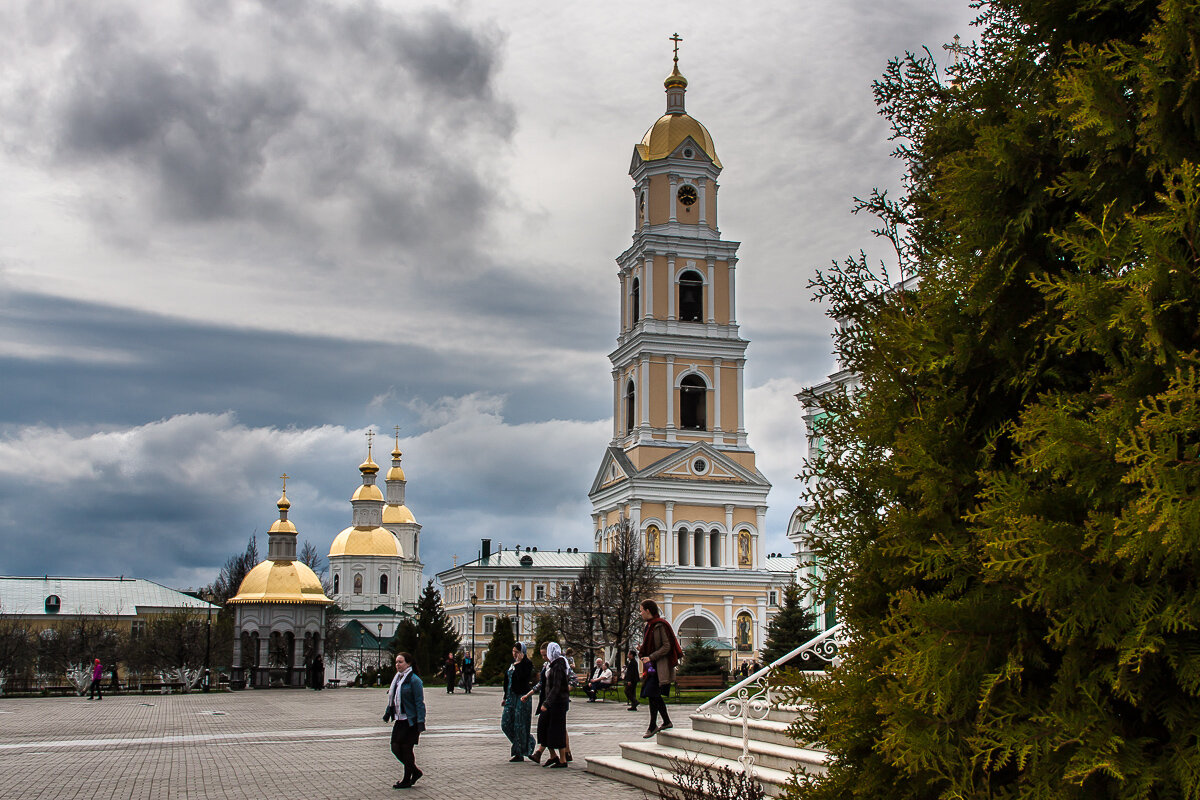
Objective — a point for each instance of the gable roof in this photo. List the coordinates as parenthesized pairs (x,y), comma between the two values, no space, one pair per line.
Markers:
(113,597)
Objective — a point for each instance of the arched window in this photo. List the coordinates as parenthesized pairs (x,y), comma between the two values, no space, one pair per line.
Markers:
(358,583)
(683,547)
(698,546)
(691,297)
(636,299)
(383,584)
(630,405)
(337,588)
(714,549)
(693,399)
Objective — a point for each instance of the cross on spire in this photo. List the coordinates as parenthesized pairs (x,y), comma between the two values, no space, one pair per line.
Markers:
(956,48)
(284,478)
(676,38)
(370,439)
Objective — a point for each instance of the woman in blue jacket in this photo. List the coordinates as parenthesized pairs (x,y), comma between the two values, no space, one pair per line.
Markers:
(406,705)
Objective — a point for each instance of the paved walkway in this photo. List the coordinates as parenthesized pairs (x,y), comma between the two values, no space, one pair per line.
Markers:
(290,744)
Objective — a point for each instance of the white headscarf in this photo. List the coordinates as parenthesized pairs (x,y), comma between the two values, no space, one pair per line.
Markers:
(554,652)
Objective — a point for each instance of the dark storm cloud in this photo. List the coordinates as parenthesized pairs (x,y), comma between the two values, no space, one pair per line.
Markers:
(301,119)
(78,363)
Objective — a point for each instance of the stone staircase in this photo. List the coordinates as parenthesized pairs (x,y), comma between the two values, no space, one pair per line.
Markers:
(715,741)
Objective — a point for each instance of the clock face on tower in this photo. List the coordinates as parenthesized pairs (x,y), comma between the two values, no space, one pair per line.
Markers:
(687,195)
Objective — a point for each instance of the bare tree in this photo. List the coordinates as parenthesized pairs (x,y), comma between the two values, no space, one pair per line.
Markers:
(601,609)
(628,578)
(174,646)
(18,650)
(230,578)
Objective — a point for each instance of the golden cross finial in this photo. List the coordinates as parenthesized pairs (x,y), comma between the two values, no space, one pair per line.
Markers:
(284,478)
(676,38)
(397,436)
(956,48)
(370,439)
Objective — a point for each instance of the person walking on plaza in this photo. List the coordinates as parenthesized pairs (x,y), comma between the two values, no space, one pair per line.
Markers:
(518,709)
(468,672)
(450,672)
(552,724)
(631,680)
(540,689)
(94,691)
(660,653)
(406,705)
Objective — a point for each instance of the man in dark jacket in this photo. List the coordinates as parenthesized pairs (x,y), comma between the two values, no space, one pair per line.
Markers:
(631,680)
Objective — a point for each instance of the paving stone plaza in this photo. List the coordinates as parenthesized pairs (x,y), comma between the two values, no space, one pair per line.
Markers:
(290,744)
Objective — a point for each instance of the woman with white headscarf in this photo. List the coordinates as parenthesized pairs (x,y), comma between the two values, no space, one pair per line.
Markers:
(552,707)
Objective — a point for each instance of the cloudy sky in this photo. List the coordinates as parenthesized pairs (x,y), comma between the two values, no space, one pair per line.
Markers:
(234,235)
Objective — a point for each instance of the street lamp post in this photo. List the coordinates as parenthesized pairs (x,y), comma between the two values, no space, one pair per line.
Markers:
(516,592)
(474,600)
(208,648)
(378,657)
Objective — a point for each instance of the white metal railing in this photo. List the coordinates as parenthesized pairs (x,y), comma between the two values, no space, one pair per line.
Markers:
(751,698)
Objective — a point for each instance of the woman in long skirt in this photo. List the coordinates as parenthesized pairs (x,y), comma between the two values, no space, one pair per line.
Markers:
(517,707)
(552,724)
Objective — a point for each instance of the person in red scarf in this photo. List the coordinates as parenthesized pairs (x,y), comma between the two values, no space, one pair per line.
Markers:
(660,653)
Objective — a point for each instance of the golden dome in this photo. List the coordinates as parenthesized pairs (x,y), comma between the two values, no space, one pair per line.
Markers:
(368,467)
(283,526)
(284,504)
(365,541)
(395,474)
(669,132)
(675,79)
(397,515)
(367,492)
(281,582)
(396,451)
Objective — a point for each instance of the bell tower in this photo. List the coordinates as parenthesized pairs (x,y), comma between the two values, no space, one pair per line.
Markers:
(679,466)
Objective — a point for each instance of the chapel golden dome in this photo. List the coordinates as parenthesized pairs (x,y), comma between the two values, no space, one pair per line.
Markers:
(669,132)
(397,515)
(283,526)
(283,504)
(365,541)
(395,474)
(368,467)
(281,582)
(675,79)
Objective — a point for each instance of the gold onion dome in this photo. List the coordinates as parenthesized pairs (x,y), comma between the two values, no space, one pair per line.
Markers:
(281,582)
(670,131)
(397,515)
(368,491)
(283,504)
(675,79)
(368,467)
(365,541)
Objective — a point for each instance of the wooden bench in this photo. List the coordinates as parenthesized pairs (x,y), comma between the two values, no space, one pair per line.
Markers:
(333,683)
(684,682)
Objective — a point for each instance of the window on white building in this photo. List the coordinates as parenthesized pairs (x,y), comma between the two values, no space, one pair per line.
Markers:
(489,592)
(773,598)
(489,625)
(539,592)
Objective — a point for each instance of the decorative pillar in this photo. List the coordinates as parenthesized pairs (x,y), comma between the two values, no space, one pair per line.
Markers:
(670,398)
(643,385)
(717,400)
(672,287)
(617,405)
(702,184)
(729,631)
(758,557)
(741,371)
(730,538)
(732,305)
(670,554)
(712,292)
(674,203)
(648,287)
(760,625)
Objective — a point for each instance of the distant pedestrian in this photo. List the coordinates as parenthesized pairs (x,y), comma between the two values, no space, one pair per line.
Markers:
(94,692)
(406,705)
(631,680)
(468,673)
(518,709)
(115,686)
(450,672)
(552,724)
(660,653)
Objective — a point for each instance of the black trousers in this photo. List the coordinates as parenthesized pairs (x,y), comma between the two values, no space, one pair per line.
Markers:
(631,694)
(95,690)
(404,738)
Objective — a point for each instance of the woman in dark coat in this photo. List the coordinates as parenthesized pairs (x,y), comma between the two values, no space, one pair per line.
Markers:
(518,710)
(450,672)
(660,653)
(406,705)
(552,724)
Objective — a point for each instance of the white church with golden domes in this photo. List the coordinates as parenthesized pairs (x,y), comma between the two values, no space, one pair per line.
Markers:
(375,564)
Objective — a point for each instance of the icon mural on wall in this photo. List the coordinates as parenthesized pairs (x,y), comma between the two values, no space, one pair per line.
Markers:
(744,548)
(744,641)
(652,544)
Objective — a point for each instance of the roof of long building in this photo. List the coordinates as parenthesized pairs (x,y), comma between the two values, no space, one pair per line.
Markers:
(113,597)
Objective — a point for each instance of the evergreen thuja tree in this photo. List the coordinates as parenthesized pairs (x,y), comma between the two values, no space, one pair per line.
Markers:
(700,659)
(1015,487)
(499,652)
(791,627)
